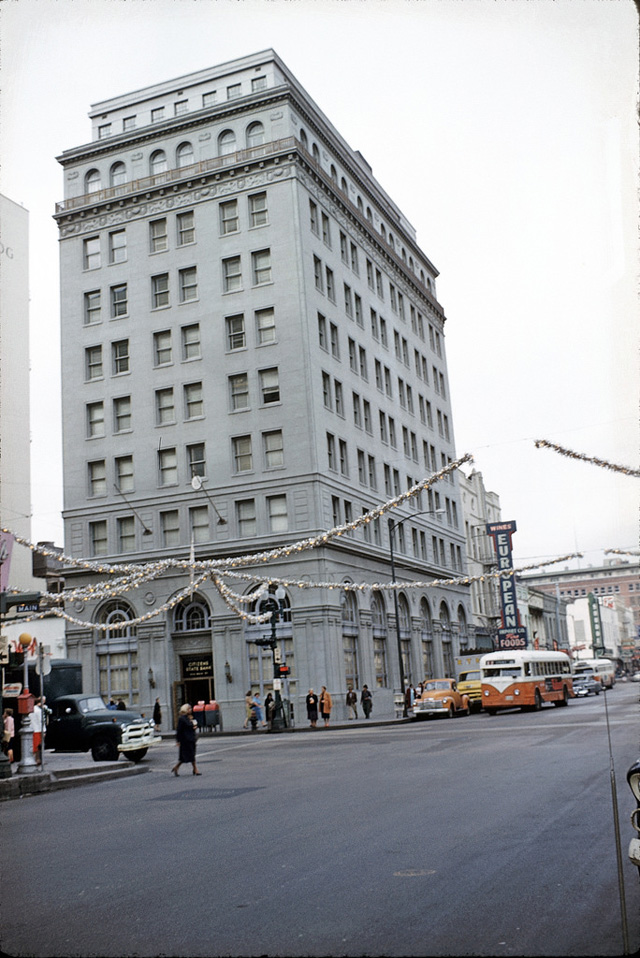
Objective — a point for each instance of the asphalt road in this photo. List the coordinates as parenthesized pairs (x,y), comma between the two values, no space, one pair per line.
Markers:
(472,836)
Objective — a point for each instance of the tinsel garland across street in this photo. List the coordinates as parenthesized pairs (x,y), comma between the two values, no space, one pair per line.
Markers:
(544,444)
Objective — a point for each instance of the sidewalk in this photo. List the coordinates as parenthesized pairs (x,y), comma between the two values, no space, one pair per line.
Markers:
(69,769)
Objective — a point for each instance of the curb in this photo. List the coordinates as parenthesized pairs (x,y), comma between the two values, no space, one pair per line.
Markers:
(37,783)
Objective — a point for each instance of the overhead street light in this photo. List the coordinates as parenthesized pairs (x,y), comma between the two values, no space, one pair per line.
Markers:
(392,529)
(197,484)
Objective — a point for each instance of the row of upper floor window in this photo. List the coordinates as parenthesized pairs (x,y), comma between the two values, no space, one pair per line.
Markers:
(321,226)
(161,161)
(180,106)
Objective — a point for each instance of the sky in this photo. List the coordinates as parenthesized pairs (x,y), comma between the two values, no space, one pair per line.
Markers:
(506,132)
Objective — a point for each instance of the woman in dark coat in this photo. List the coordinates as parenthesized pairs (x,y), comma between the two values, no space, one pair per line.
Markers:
(312,708)
(186,739)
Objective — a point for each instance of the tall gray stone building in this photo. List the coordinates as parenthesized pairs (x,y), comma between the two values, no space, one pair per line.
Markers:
(244,304)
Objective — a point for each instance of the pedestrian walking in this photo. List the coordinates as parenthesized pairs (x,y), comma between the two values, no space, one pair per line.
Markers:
(247,708)
(157,715)
(366,701)
(186,740)
(352,703)
(258,707)
(36,725)
(312,707)
(8,733)
(325,705)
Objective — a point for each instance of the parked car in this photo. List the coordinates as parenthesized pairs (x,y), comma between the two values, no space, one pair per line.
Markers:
(585,683)
(82,722)
(440,697)
(469,684)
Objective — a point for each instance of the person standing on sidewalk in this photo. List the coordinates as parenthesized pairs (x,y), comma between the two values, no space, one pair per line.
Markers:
(186,740)
(326,704)
(312,708)
(366,701)
(352,703)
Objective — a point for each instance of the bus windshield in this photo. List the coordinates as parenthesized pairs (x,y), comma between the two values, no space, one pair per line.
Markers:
(511,671)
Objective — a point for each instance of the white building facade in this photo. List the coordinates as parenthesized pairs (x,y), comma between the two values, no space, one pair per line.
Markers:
(243,303)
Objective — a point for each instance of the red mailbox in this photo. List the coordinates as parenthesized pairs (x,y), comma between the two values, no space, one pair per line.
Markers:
(25,703)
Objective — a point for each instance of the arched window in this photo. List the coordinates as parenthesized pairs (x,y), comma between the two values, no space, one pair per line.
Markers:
(92,181)
(255,134)
(191,615)
(184,155)
(315,153)
(462,625)
(422,276)
(117,653)
(391,241)
(334,174)
(350,639)
(383,231)
(118,174)
(411,265)
(404,254)
(379,630)
(404,622)
(360,205)
(426,638)
(447,647)
(158,163)
(343,185)
(369,214)
(303,139)
(226,143)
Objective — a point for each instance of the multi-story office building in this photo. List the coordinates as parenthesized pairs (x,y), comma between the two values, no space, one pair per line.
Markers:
(479,507)
(244,305)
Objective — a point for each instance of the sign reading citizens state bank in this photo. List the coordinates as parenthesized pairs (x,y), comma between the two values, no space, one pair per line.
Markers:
(512,635)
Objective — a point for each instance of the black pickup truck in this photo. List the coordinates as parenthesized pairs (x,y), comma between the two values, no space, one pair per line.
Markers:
(81,722)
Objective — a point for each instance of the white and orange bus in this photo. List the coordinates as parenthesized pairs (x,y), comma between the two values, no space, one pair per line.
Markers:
(524,679)
(604,670)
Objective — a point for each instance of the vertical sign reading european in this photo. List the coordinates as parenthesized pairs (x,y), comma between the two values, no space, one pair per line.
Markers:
(512,635)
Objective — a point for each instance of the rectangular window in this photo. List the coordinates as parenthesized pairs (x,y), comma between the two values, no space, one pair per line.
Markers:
(258,83)
(379,288)
(354,259)
(160,291)
(124,473)
(157,114)
(353,361)
(180,107)
(322,331)
(331,289)
(326,230)
(97,478)
(199,523)
(91,253)
(236,337)
(193,401)
(344,459)
(366,410)
(331,451)
(122,414)
(348,303)
(120,357)
(273,449)
(335,342)
(239,391)
(92,313)
(373,478)
(336,514)
(337,389)
(269,386)
(162,348)
(95,419)
(317,274)
(313,218)
(170,528)
(165,409)
(277,513)
(326,390)
(104,131)
(265,326)
(190,336)
(362,362)
(188,283)
(370,274)
(392,432)
(357,410)
(362,470)
(261,267)
(98,538)
(258,210)
(344,255)
(378,369)
(167,467)
(234,91)
(383,333)
(231,274)
(158,237)
(242,455)
(186,228)
(358,310)
(246,517)
(229,222)
(119,304)
(208,99)
(117,246)
(196,460)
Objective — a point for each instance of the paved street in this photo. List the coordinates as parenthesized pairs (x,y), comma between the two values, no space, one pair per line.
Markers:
(472,836)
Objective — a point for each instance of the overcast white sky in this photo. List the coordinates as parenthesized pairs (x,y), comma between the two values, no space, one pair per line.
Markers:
(506,132)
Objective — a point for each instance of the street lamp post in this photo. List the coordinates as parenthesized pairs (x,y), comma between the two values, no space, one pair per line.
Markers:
(392,529)
(277,607)
(27,761)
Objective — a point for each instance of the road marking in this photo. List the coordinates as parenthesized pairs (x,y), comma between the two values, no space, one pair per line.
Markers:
(413,873)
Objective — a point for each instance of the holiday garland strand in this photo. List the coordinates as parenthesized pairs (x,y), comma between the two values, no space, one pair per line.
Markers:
(544,444)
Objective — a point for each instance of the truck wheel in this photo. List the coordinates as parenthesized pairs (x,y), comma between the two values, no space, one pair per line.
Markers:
(136,756)
(104,749)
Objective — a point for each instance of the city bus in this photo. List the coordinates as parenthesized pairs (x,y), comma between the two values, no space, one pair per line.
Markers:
(524,679)
(604,670)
